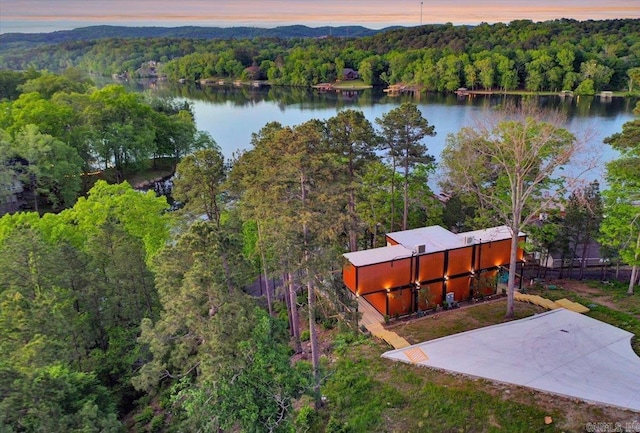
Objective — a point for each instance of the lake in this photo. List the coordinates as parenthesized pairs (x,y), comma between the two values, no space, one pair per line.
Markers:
(232,114)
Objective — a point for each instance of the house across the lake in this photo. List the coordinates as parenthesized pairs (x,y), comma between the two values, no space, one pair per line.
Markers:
(11,195)
(429,266)
(350,74)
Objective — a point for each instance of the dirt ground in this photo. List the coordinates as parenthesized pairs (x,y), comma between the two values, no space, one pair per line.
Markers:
(596,295)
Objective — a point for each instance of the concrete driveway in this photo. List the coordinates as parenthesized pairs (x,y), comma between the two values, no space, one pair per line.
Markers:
(559,351)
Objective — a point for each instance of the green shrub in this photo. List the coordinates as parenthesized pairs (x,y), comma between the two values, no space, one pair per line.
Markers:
(144,417)
(306,419)
(301,298)
(305,335)
(329,323)
(157,422)
(336,426)
(345,339)
(356,400)
(283,315)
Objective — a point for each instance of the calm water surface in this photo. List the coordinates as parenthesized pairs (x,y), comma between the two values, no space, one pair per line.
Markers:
(232,114)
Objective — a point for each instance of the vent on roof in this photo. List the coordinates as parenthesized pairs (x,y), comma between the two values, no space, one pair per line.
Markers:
(420,249)
(468,240)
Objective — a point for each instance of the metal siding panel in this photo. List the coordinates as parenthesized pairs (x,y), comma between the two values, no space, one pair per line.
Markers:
(431,266)
(434,296)
(460,261)
(495,254)
(349,276)
(400,301)
(460,287)
(386,275)
(379,301)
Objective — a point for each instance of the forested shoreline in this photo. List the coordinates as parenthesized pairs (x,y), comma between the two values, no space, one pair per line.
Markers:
(581,56)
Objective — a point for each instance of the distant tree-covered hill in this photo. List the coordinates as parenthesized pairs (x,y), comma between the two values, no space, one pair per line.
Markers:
(188,32)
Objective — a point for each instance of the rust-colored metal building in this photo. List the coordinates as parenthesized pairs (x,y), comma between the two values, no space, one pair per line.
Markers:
(418,268)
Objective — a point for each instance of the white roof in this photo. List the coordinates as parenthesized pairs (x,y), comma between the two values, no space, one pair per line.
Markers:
(489,235)
(378,255)
(434,238)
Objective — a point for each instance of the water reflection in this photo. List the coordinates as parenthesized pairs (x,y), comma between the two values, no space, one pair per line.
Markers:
(302,97)
(584,106)
(231,114)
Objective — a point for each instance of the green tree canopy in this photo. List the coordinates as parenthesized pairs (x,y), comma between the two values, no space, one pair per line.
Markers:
(352,139)
(509,162)
(621,225)
(122,131)
(52,168)
(403,128)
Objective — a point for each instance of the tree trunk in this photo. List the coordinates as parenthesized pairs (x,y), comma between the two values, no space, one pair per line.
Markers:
(313,339)
(583,263)
(393,187)
(632,280)
(264,269)
(313,336)
(513,258)
(295,323)
(353,234)
(572,258)
(405,209)
(634,269)
(34,189)
(287,301)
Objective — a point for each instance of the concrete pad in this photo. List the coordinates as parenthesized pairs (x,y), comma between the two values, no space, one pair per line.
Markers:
(559,351)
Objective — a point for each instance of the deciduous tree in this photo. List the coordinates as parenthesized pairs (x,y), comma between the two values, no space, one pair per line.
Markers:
(51,167)
(255,392)
(121,129)
(621,225)
(509,161)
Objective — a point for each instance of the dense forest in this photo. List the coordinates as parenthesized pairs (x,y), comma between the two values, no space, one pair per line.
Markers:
(120,312)
(150,320)
(581,56)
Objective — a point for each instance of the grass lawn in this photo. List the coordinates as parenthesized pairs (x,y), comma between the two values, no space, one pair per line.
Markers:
(366,393)
(148,171)
(351,84)
(138,178)
(464,319)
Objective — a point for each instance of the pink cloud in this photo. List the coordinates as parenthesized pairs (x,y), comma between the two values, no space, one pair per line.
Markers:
(371,13)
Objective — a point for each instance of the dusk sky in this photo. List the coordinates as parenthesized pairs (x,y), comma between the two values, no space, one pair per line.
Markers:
(33,16)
